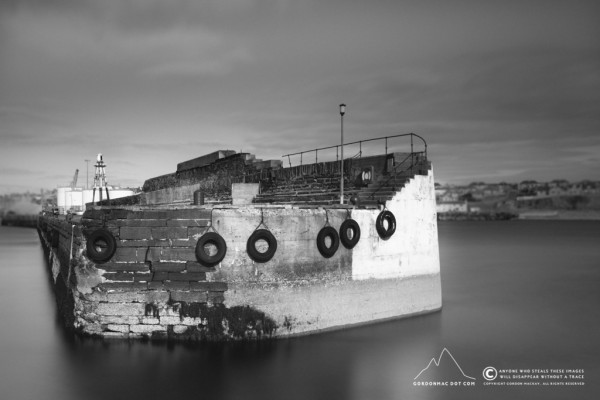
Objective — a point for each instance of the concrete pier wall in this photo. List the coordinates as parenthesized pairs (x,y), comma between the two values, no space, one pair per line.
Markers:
(154,286)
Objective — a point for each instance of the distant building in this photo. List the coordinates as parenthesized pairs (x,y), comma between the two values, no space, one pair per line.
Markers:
(447,196)
(74,199)
(452,206)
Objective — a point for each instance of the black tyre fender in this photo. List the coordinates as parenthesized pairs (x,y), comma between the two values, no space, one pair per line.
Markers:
(349,224)
(101,245)
(391,224)
(216,240)
(251,245)
(325,251)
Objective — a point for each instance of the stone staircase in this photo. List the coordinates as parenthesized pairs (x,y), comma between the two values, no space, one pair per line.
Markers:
(326,190)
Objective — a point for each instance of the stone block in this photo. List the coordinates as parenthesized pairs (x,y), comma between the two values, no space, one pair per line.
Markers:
(115,297)
(189,297)
(118,328)
(123,286)
(142,277)
(189,321)
(187,276)
(172,254)
(157,296)
(115,335)
(130,254)
(168,320)
(209,286)
(150,321)
(92,329)
(168,267)
(196,231)
(180,285)
(120,309)
(148,214)
(172,232)
(124,266)
(136,233)
(93,214)
(179,329)
(188,222)
(147,328)
(216,297)
(189,213)
(183,243)
(171,310)
(118,276)
(137,243)
(156,285)
(194,266)
(141,222)
(160,276)
(119,214)
(118,320)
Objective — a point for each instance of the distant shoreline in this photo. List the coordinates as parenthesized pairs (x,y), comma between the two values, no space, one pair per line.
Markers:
(576,215)
(592,215)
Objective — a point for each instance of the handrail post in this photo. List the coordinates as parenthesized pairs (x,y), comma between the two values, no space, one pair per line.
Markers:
(316,156)
(300,158)
(386,145)
(412,153)
(342,112)
(360,149)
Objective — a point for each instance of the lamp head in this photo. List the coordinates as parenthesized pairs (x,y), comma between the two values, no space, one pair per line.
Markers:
(342,109)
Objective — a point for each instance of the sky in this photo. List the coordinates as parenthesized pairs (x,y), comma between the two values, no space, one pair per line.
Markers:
(501,90)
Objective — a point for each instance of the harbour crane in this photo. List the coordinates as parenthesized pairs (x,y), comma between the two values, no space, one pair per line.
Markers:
(74,182)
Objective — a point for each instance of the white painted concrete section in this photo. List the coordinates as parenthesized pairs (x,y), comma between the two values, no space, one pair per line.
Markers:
(413,249)
(243,193)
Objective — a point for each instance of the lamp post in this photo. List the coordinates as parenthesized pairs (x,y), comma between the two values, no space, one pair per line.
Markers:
(342,112)
(87,174)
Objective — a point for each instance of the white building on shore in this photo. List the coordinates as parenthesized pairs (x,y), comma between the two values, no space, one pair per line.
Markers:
(73,200)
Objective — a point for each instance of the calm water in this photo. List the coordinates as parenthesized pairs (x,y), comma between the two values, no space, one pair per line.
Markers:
(521,294)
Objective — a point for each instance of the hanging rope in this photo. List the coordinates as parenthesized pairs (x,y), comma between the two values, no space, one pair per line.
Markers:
(326,219)
(211,226)
(262,221)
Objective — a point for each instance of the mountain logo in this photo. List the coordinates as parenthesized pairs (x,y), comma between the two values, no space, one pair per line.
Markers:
(444,368)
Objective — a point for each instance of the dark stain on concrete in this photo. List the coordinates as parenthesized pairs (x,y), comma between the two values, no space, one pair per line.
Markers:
(223,323)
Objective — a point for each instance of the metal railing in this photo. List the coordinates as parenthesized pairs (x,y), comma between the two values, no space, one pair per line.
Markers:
(360,143)
(394,172)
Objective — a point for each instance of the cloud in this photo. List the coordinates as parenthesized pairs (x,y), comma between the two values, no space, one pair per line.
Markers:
(88,46)
(153,83)
(8,170)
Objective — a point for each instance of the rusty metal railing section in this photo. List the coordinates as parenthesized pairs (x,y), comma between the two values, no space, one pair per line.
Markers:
(385,139)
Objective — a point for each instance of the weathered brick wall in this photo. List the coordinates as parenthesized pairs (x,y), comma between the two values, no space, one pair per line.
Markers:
(153,246)
(152,286)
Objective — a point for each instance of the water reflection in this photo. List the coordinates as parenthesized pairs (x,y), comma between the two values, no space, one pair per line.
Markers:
(517,294)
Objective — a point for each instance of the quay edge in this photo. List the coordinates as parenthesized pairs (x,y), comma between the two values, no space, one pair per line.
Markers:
(154,286)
